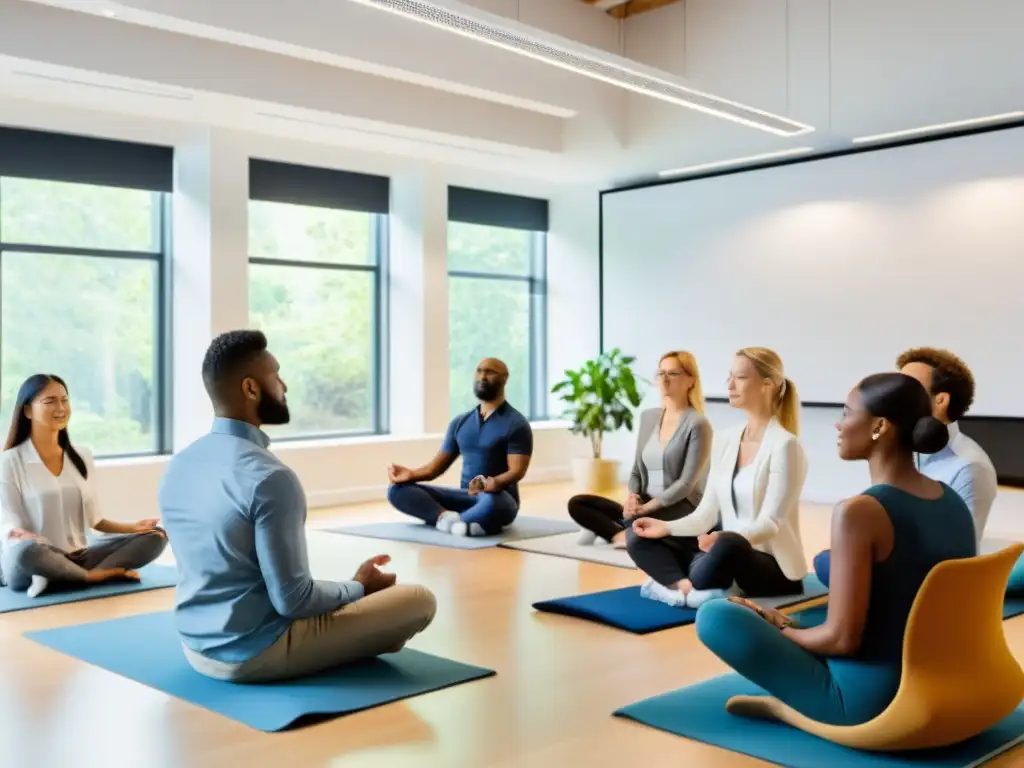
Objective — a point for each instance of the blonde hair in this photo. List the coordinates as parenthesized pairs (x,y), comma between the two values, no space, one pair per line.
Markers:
(689,364)
(786,402)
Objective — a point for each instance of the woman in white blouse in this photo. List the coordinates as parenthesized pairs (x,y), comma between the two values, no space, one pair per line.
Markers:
(753,490)
(48,501)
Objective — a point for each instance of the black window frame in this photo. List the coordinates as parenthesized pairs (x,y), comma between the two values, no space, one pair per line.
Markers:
(277,182)
(496,209)
(49,156)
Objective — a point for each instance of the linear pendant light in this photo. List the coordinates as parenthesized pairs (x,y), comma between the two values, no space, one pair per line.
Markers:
(736,161)
(969,122)
(584,60)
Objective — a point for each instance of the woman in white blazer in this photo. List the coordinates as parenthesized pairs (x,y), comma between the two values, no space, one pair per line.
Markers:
(753,491)
(48,501)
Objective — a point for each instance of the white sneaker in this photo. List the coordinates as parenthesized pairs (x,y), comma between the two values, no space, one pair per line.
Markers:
(587,538)
(38,586)
(445,521)
(472,529)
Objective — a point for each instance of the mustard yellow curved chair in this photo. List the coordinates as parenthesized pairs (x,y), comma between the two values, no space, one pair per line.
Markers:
(959,676)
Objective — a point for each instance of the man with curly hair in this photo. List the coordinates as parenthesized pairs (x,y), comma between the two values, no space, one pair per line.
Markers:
(962,464)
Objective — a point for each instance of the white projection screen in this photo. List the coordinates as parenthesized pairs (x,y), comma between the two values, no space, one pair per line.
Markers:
(839,264)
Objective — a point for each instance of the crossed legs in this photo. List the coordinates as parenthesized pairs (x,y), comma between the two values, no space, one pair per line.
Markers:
(683,575)
(373,625)
(109,557)
(482,514)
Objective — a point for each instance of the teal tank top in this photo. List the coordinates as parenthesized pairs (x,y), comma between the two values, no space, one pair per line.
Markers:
(926,532)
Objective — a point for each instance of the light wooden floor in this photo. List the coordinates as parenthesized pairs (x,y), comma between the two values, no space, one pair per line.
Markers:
(558,679)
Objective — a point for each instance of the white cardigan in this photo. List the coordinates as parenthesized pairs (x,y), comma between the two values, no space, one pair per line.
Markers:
(780,468)
(31,497)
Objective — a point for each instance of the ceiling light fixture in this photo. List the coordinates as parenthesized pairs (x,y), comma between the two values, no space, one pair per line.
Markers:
(939,127)
(510,35)
(736,161)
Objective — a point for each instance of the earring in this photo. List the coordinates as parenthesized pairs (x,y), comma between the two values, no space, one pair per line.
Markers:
(875,436)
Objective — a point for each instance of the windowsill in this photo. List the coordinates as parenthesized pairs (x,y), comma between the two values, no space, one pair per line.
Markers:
(285,446)
(548,425)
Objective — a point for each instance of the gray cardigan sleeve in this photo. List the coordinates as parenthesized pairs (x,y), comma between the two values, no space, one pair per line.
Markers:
(696,454)
(636,478)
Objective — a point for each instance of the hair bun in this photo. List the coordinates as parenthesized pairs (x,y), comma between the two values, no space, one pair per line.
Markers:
(930,435)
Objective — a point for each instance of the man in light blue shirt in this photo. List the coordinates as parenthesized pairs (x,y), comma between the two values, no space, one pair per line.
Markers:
(962,464)
(248,609)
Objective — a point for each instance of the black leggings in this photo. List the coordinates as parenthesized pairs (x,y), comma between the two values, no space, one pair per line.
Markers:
(731,559)
(605,517)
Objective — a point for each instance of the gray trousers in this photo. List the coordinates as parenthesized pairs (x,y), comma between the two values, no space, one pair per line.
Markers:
(22,560)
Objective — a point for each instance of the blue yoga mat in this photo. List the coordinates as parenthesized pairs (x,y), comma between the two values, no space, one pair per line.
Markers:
(626,609)
(812,617)
(146,649)
(621,608)
(153,577)
(698,713)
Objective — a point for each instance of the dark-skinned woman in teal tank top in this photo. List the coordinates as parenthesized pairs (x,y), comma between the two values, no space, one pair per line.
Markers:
(884,542)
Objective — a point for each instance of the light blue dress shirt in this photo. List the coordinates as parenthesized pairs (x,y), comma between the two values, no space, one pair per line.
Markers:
(235,516)
(967,469)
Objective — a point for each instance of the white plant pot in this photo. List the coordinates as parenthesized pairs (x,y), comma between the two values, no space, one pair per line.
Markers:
(599,477)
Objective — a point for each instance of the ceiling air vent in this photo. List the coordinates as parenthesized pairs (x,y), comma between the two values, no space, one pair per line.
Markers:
(581,59)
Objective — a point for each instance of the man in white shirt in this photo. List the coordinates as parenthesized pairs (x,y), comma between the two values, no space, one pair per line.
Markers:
(962,464)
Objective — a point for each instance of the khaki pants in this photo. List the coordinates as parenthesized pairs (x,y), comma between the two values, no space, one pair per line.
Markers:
(375,624)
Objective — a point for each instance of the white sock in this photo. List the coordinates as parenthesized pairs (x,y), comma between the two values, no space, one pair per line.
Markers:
(663,594)
(38,586)
(445,521)
(696,597)
(587,538)
(472,529)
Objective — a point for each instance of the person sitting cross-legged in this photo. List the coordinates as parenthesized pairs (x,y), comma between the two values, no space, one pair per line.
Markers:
(48,502)
(248,609)
(495,442)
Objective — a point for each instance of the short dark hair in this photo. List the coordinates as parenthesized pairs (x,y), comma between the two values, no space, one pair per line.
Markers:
(904,403)
(226,358)
(950,374)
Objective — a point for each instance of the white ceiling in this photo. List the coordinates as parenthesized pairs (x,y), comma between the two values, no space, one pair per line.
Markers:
(337,72)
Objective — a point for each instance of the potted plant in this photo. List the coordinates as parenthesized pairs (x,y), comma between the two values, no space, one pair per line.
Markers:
(600,398)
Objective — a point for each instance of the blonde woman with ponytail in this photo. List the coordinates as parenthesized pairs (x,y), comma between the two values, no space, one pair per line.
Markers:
(753,491)
(672,452)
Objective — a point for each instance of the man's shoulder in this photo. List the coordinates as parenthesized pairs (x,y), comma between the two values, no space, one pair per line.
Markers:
(515,417)
(967,449)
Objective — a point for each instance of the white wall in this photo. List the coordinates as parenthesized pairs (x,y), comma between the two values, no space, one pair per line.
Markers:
(847,67)
(210,227)
(838,264)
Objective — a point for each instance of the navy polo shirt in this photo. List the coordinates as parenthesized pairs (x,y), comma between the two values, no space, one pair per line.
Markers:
(485,445)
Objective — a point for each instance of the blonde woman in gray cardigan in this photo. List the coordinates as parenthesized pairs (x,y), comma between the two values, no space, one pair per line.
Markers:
(672,457)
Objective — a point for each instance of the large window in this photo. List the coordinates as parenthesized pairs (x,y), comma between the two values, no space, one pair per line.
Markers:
(82,225)
(317,253)
(497,259)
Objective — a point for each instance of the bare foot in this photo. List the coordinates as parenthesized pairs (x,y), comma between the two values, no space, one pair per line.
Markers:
(101,575)
(619,540)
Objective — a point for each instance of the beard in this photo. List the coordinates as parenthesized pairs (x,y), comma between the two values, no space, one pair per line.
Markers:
(271,411)
(486,391)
